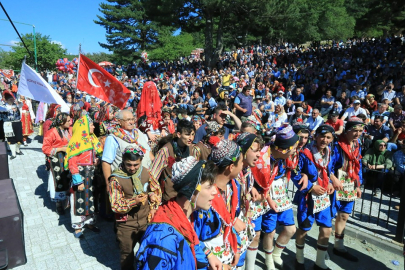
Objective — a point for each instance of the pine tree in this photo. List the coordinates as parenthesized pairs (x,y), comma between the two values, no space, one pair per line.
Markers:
(128,29)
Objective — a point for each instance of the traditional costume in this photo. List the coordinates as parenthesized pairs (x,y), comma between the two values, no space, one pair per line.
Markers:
(150,107)
(81,156)
(285,141)
(348,170)
(130,218)
(58,183)
(12,124)
(215,226)
(40,119)
(312,207)
(170,241)
(27,115)
(54,109)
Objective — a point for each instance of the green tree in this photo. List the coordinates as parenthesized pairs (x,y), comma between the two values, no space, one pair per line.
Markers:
(4,58)
(129,31)
(47,52)
(100,57)
(172,47)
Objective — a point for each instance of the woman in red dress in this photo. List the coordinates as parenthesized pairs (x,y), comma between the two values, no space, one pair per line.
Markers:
(27,118)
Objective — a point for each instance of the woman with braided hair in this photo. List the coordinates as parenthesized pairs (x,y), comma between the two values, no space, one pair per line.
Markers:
(54,147)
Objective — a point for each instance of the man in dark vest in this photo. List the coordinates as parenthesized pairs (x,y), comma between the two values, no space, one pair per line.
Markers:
(177,147)
(243,103)
(129,201)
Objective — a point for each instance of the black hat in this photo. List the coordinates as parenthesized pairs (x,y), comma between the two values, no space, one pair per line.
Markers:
(334,113)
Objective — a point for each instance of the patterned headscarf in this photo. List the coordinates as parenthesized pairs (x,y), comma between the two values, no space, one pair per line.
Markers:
(135,149)
(212,127)
(82,140)
(245,141)
(186,175)
(225,152)
(77,111)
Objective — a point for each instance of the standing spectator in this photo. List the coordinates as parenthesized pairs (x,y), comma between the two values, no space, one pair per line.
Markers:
(243,103)
(327,103)
(314,121)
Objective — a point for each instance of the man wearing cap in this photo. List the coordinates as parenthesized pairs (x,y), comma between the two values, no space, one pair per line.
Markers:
(280,99)
(335,122)
(314,205)
(170,241)
(275,191)
(346,178)
(353,111)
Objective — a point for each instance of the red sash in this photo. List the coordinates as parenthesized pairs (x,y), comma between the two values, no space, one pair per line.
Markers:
(353,158)
(291,164)
(264,176)
(219,206)
(324,181)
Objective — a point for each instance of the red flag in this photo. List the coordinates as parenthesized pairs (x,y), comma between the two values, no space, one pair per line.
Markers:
(96,81)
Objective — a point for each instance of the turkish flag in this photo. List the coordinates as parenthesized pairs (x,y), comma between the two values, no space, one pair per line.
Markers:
(96,81)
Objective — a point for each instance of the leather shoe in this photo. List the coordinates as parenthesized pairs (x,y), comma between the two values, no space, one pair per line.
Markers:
(20,153)
(316,267)
(299,266)
(346,255)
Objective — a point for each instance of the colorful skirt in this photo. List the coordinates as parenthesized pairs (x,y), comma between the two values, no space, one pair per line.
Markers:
(59,175)
(26,121)
(83,201)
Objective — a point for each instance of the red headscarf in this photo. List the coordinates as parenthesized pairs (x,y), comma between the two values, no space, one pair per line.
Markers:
(150,104)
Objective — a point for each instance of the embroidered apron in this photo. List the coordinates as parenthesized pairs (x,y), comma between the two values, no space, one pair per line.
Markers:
(279,194)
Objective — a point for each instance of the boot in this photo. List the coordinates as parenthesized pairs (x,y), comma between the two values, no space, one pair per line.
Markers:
(13,151)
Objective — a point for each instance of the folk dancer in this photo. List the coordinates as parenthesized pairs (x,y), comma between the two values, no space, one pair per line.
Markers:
(346,178)
(170,241)
(314,204)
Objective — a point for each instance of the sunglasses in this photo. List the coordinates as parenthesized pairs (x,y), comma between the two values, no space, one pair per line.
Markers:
(383,145)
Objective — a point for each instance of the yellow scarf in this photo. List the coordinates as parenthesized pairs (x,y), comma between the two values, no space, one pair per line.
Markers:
(82,140)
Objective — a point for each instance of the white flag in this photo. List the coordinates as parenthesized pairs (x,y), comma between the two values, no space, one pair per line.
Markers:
(32,85)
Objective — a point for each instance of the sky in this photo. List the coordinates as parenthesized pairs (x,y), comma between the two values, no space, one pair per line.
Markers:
(66,22)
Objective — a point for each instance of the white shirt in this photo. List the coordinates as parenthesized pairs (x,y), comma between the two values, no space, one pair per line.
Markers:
(350,112)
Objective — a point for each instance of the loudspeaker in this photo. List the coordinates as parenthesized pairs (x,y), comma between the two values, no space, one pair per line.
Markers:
(4,172)
(12,247)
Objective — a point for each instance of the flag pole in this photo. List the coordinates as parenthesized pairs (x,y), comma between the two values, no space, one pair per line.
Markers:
(78,66)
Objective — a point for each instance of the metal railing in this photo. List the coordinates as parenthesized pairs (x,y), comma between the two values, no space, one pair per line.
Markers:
(376,212)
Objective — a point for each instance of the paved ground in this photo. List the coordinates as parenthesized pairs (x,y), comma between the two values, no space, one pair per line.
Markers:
(50,243)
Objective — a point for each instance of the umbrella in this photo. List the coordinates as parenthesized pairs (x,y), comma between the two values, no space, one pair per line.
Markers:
(105,63)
